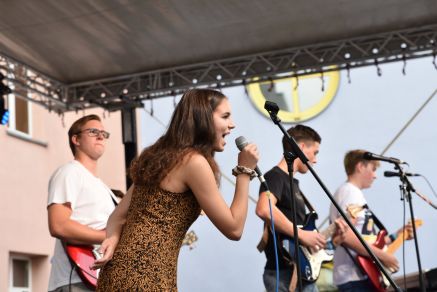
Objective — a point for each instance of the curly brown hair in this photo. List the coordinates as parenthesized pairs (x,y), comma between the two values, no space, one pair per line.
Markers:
(191,130)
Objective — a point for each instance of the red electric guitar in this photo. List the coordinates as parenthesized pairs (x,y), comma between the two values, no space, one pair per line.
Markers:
(83,256)
(378,280)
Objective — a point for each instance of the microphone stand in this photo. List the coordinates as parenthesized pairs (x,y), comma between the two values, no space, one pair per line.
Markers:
(272,108)
(290,157)
(406,188)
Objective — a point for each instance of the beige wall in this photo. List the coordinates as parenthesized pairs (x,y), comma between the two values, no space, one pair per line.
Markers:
(25,168)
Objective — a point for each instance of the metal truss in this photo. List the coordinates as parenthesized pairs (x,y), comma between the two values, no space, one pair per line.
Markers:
(29,84)
(130,90)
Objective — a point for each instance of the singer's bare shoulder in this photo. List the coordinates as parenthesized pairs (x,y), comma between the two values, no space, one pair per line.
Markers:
(193,168)
(196,167)
(194,160)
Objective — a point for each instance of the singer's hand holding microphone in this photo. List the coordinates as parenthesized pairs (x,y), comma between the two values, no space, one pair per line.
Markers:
(249,155)
(241,144)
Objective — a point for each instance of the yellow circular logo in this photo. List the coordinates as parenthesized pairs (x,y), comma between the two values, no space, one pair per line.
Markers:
(298,99)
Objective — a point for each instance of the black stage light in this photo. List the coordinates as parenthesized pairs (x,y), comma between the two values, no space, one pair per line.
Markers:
(4,113)
(4,89)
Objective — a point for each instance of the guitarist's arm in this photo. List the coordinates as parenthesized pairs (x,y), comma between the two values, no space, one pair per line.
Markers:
(406,231)
(388,260)
(340,231)
(61,226)
(113,230)
(313,240)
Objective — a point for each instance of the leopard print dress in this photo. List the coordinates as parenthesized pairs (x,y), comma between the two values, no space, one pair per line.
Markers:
(147,253)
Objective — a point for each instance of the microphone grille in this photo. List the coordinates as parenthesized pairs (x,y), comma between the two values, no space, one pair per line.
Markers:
(389,173)
(368,155)
(241,142)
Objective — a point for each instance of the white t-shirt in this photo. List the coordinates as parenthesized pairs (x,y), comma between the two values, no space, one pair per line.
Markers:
(91,205)
(345,270)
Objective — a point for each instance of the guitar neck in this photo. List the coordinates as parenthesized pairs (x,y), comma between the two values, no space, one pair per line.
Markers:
(394,246)
(352,211)
(329,231)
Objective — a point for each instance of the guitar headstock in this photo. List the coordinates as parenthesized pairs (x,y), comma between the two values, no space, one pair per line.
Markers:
(418,222)
(353,210)
(189,239)
(409,231)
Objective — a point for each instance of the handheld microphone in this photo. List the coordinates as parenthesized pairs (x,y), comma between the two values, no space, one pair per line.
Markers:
(241,142)
(372,156)
(394,173)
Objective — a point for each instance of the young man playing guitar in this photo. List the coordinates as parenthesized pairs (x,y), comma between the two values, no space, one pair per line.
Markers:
(278,180)
(348,274)
(79,203)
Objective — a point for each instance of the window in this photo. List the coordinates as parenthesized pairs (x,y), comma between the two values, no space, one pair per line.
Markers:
(20,274)
(19,119)
(19,108)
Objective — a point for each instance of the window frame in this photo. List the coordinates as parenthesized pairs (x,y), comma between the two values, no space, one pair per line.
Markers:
(11,287)
(12,124)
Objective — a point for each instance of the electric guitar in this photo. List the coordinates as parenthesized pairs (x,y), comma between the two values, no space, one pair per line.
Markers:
(83,256)
(311,261)
(378,280)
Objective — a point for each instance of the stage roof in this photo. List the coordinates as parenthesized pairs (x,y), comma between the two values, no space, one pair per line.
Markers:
(74,42)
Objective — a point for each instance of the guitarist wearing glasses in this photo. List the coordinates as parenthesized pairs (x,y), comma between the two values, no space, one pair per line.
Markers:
(353,271)
(313,242)
(79,203)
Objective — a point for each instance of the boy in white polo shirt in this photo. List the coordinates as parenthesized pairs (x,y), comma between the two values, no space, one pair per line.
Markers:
(79,203)
(360,175)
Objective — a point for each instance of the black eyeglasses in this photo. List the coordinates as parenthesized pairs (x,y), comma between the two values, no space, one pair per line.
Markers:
(93,132)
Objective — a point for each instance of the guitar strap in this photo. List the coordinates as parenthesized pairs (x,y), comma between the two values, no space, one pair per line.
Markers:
(378,222)
(261,246)
(115,202)
(293,282)
(112,193)
(307,203)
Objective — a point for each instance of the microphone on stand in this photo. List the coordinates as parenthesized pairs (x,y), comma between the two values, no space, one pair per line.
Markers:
(373,156)
(394,173)
(241,142)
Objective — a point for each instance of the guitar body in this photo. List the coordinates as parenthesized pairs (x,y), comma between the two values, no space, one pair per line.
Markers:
(83,256)
(377,279)
(310,263)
